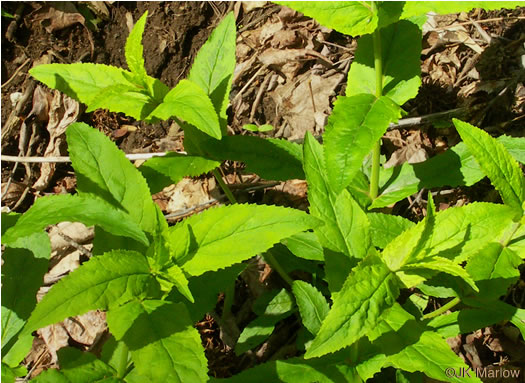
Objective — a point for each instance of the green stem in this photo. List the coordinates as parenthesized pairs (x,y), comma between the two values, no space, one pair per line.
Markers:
(274,264)
(442,309)
(378,66)
(123,362)
(224,186)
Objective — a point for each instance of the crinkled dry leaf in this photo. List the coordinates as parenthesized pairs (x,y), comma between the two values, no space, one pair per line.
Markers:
(305,102)
(56,16)
(63,111)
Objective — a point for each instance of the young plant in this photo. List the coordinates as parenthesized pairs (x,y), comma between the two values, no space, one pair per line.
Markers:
(144,276)
(200,101)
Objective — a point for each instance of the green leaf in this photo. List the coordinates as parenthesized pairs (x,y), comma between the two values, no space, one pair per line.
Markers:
(112,352)
(431,354)
(355,125)
(87,210)
(19,288)
(190,103)
(78,366)
(313,306)
(255,128)
(174,276)
(104,170)
(467,320)
(401,56)
(409,346)
(305,245)
(444,265)
(456,167)
(102,281)
(297,370)
(458,233)
(134,51)
(413,8)
(502,170)
(495,269)
(370,289)
(349,17)
(214,64)
(346,225)
(384,228)
(206,288)
(162,350)
(269,158)
(170,169)
(220,237)
(30,254)
(88,83)
(259,329)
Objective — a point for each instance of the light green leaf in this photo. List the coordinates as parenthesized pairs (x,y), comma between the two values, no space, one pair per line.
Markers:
(63,207)
(355,125)
(495,269)
(255,128)
(9,374)
(162,350)
(190,103)
(259,329)
(346,225)
(79,367)
(456,167)
(349,17)
(170,169)
(413,8)
(386,227)
(401,57)
(502,170)
(305,245)
(173,275)
(515,146)
(444,265)
(134,51)
(370,289)
(220,237)
(269,158)
(458,233)
(104,280)
(87,82)
(214,64)
(313,306)
(103,169)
